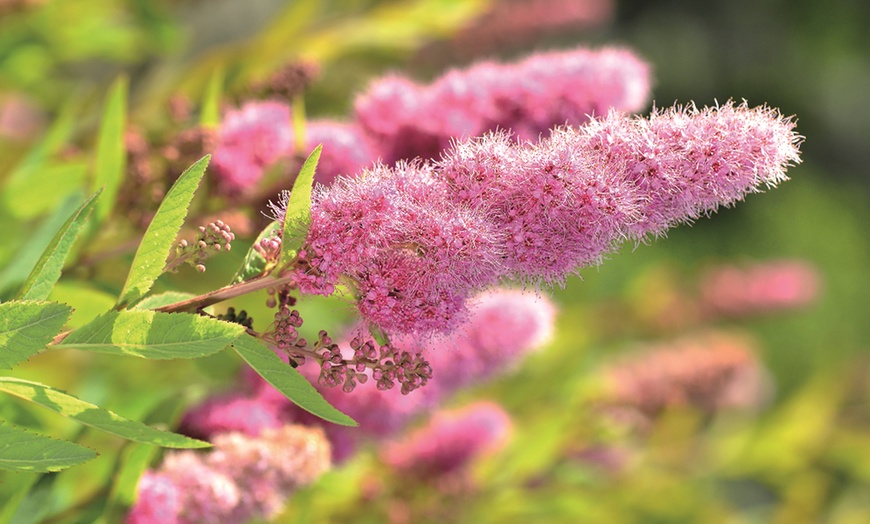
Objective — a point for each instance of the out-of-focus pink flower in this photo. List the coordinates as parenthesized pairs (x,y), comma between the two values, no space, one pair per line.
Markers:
(224,414)
(450,441)
(527,98)
(242,478)
(345,150)
(708,372)
(762,287)
(250,140)
(159,501)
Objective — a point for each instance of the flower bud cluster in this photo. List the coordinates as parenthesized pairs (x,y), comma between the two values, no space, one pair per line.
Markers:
(241,317)
(212,238)
(388,365)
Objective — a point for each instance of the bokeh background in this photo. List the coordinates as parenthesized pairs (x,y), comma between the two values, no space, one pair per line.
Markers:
(799,453)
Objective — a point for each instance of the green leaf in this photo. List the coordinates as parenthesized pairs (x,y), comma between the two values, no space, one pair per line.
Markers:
(48,269)
(298,214)
(27,327)
(254,264)
(33,503)
(210,114)
(287,380)
(151,334)
(160,236)
(21,450)
(95,416)
(25,259)
(162,299)
(111,158)
(41,189)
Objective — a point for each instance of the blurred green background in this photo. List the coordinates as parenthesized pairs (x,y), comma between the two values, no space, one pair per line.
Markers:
(802,457)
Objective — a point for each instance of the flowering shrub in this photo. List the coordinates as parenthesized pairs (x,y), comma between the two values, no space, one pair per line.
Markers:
(415,216)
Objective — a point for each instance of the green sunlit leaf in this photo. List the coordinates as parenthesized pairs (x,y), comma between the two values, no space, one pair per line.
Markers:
(151,334)
(298,215)
(27,327)
(111,156)
(21,450)
(95,416)
(287,380)
(160,236)
(48,269)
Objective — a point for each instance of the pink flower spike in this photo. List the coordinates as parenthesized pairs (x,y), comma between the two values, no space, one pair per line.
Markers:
(251,139)
(450,441)
(158,501)
(230,413)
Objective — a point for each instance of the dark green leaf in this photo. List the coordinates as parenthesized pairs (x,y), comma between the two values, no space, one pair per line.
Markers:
(47,271)
(27,327)
(151,334)
(254,263)
(111,157)
(33,503)
(298,215)
(160,236)
(287,380)
(95,416)
(21,450)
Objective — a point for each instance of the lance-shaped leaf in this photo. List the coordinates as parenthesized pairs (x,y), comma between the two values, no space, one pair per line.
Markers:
(162,299)
(31,503)
(95,416)
(287,380)
(151,334)
(210,114)
(111,156)
(27,327)
(21,450)
(160,236)
(254,263)
(298,213)
(24,260)
(47,271)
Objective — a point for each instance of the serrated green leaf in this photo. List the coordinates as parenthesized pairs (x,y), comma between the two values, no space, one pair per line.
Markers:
(111,157)
(48,269)
(210,114)
(160,236)
(298,215)
(95,416)
(162,299)
(151,334)
(287,380)
(21,450)
(254,263)
(27,327)
(25,259)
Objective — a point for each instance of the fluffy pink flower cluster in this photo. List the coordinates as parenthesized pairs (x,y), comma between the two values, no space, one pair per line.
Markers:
(766,286)
(406,120)
(243,478)
(414,242)
(256,136)
(449,441)
(398,119)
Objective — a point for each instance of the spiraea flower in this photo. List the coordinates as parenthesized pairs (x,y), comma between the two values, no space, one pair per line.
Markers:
(230,413)
(708,372)
(406,120)
(345,149)
(685,162)
(738,290)
(416,240)
(251,139)
(243,478)
(450,441)
(411,255)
